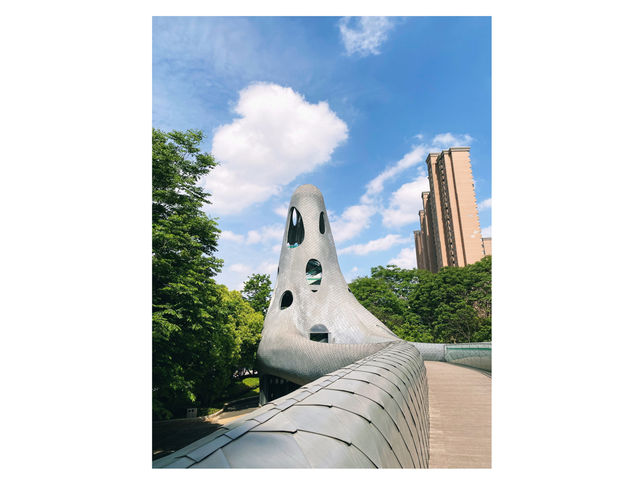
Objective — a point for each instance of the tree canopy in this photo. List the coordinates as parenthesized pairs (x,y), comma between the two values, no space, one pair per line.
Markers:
(451,306)
(257,291)
(202,332)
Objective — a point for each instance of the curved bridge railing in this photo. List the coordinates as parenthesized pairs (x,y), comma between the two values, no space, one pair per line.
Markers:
(477,355)
(371,413)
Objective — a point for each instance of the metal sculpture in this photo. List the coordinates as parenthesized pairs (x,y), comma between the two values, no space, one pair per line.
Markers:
(338,388)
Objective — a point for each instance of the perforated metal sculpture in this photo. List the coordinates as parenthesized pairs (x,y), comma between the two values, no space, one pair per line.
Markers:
(311,294)
(338,388)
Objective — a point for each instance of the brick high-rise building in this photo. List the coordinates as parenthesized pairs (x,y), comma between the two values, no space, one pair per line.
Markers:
(449,225)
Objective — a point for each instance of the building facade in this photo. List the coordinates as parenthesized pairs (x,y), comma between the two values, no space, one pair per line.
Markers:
(449,232)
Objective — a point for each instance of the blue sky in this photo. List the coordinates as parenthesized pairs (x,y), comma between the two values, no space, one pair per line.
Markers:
(351,105)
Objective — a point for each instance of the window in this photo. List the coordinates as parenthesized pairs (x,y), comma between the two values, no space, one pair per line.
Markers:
(319,333)
(286,300)
(314,272)
(295,232)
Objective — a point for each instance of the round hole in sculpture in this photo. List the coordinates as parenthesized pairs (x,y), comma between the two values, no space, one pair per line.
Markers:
(314,272)
(295,232)
(321,222)
(319,333)
(286,300)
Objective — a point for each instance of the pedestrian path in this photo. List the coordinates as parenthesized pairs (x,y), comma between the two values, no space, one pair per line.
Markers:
(459,416)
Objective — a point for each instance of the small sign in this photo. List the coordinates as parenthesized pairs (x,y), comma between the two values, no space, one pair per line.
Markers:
(192,412)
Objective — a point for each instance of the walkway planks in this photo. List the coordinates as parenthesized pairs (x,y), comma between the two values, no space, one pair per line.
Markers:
(459,416)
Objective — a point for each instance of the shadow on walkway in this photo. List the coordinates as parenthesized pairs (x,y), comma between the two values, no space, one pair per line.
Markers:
(172,435)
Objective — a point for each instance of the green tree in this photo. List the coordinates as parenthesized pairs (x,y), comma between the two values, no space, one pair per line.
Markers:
(377,296)
(453,305)
(246,324)
(402,282)
(257,291)
(189,341)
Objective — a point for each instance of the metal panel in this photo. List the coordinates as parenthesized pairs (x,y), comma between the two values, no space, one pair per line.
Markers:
(215,460)
(181,462)
(279,423)
(208,448)
(266,415)
(265,450)
(247,425)
(327,452)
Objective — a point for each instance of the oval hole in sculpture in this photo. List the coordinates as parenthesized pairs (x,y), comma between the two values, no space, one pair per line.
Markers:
(319,333)
(286,300)
(314,272)
(321,222)
(295,232)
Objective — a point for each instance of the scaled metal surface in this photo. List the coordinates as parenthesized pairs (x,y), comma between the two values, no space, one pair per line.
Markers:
(370,414)
(285,349)
(364,399)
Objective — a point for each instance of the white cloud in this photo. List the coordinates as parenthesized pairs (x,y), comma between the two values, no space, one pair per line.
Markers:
(405,203)
(376,245)
(267,267)
(414,157)
(240,268)
(282,210)
(363,35)
(270,232)
(278,136)
(448,140)
(485,204)
(238,273)
(405,259)
(486,232)
(351,274)
(234,237)
(352,221)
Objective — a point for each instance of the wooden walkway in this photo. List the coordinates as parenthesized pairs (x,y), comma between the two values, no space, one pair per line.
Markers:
(459,416)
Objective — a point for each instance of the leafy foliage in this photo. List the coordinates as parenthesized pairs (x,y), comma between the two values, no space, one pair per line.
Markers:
(453,305)
(257,291)
(201,332)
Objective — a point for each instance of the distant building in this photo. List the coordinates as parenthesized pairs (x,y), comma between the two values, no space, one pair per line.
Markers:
(449,232)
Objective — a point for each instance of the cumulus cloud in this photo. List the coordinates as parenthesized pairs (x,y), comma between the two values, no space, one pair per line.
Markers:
(363,35)
(264,234)
(486,232)
(405,203)
(240,268)
(377,245)
(282,210)
(238,273)
(267,267)
(278,136)
(234,237)
(351,274)
(405,259)
(352,221)
(485,204)
(447,140)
